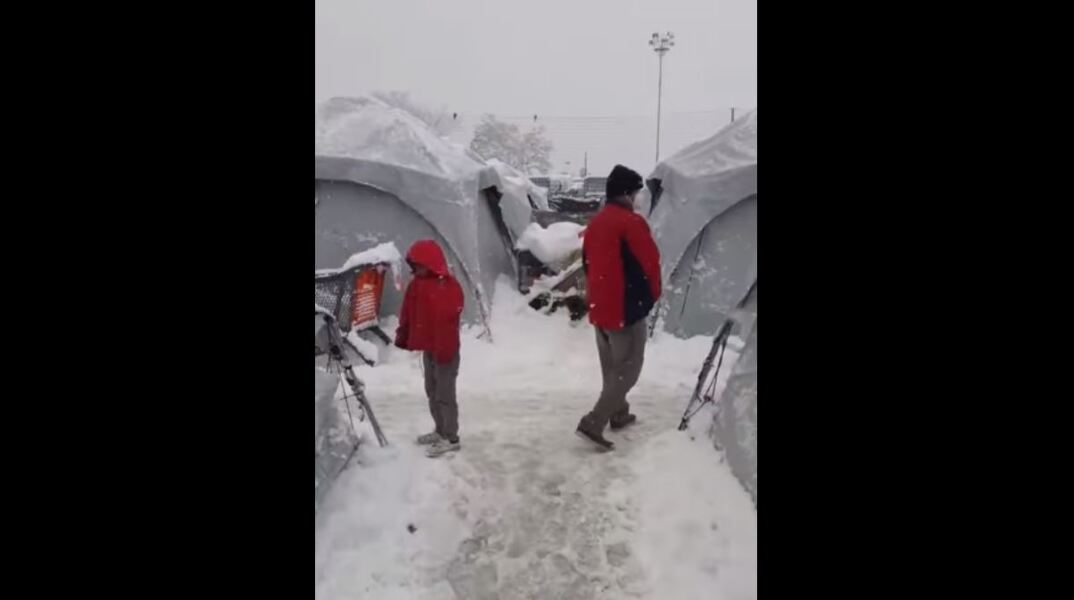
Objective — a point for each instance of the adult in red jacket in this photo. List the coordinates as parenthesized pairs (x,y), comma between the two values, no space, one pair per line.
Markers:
(429,322)
(622,266)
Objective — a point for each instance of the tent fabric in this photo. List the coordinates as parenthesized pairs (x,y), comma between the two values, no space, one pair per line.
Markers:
(334,439)
(734,426)
(383,175)
(703,213)
(365,203)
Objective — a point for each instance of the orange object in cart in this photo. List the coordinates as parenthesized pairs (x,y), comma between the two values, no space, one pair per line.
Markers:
(365,308)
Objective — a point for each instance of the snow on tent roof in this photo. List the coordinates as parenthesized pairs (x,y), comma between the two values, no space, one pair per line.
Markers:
(698,188)
(517,183)
(706,178)
(733,147)
(366,128)
(386,253)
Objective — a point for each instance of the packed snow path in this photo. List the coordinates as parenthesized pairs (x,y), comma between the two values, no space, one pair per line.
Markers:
(525,509)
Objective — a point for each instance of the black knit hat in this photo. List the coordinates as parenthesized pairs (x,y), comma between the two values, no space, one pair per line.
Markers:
(622,181)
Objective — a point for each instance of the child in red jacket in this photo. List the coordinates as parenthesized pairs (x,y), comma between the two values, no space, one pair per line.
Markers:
(429,322)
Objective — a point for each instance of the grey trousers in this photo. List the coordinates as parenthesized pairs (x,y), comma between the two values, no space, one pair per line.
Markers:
(622,354)
(440,388)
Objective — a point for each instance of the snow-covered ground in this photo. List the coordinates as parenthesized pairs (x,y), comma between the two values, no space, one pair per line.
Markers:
(526,509)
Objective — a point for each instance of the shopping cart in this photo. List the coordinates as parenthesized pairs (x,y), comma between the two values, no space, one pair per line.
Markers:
(352,298)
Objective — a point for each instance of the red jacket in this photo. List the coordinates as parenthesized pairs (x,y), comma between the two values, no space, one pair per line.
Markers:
(432,306)
(622,266)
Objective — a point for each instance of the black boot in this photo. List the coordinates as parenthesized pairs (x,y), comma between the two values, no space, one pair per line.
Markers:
(588,432)
(620,421)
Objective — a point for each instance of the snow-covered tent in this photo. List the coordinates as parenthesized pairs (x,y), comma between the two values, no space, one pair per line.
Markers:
(734,426)
(520,186)
(704,219)
(382,175)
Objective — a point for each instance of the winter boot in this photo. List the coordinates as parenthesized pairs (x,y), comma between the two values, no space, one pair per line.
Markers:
(442,447)
(620,421)
(586,431)
(429,438)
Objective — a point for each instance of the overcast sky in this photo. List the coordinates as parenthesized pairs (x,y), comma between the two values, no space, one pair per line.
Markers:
(558,59)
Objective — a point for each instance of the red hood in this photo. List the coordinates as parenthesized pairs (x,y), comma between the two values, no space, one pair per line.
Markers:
(428,254)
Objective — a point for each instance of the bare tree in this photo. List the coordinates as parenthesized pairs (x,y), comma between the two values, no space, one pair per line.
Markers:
(495,139)
(536,151)
(528,152)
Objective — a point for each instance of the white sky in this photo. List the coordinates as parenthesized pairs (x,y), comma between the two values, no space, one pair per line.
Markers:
(583,66)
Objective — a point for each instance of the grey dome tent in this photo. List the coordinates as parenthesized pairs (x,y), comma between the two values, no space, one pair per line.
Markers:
(704,218)
(734,424)
(381,175)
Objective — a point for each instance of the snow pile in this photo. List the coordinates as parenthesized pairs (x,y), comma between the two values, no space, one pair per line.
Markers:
(368,349)
(366,128)
(554,245)
(525,509)
(385,253)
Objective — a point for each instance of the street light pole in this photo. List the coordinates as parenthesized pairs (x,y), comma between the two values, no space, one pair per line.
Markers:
(661,44)
(659,99)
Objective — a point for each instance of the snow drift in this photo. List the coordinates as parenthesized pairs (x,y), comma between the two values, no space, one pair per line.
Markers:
(552,245)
